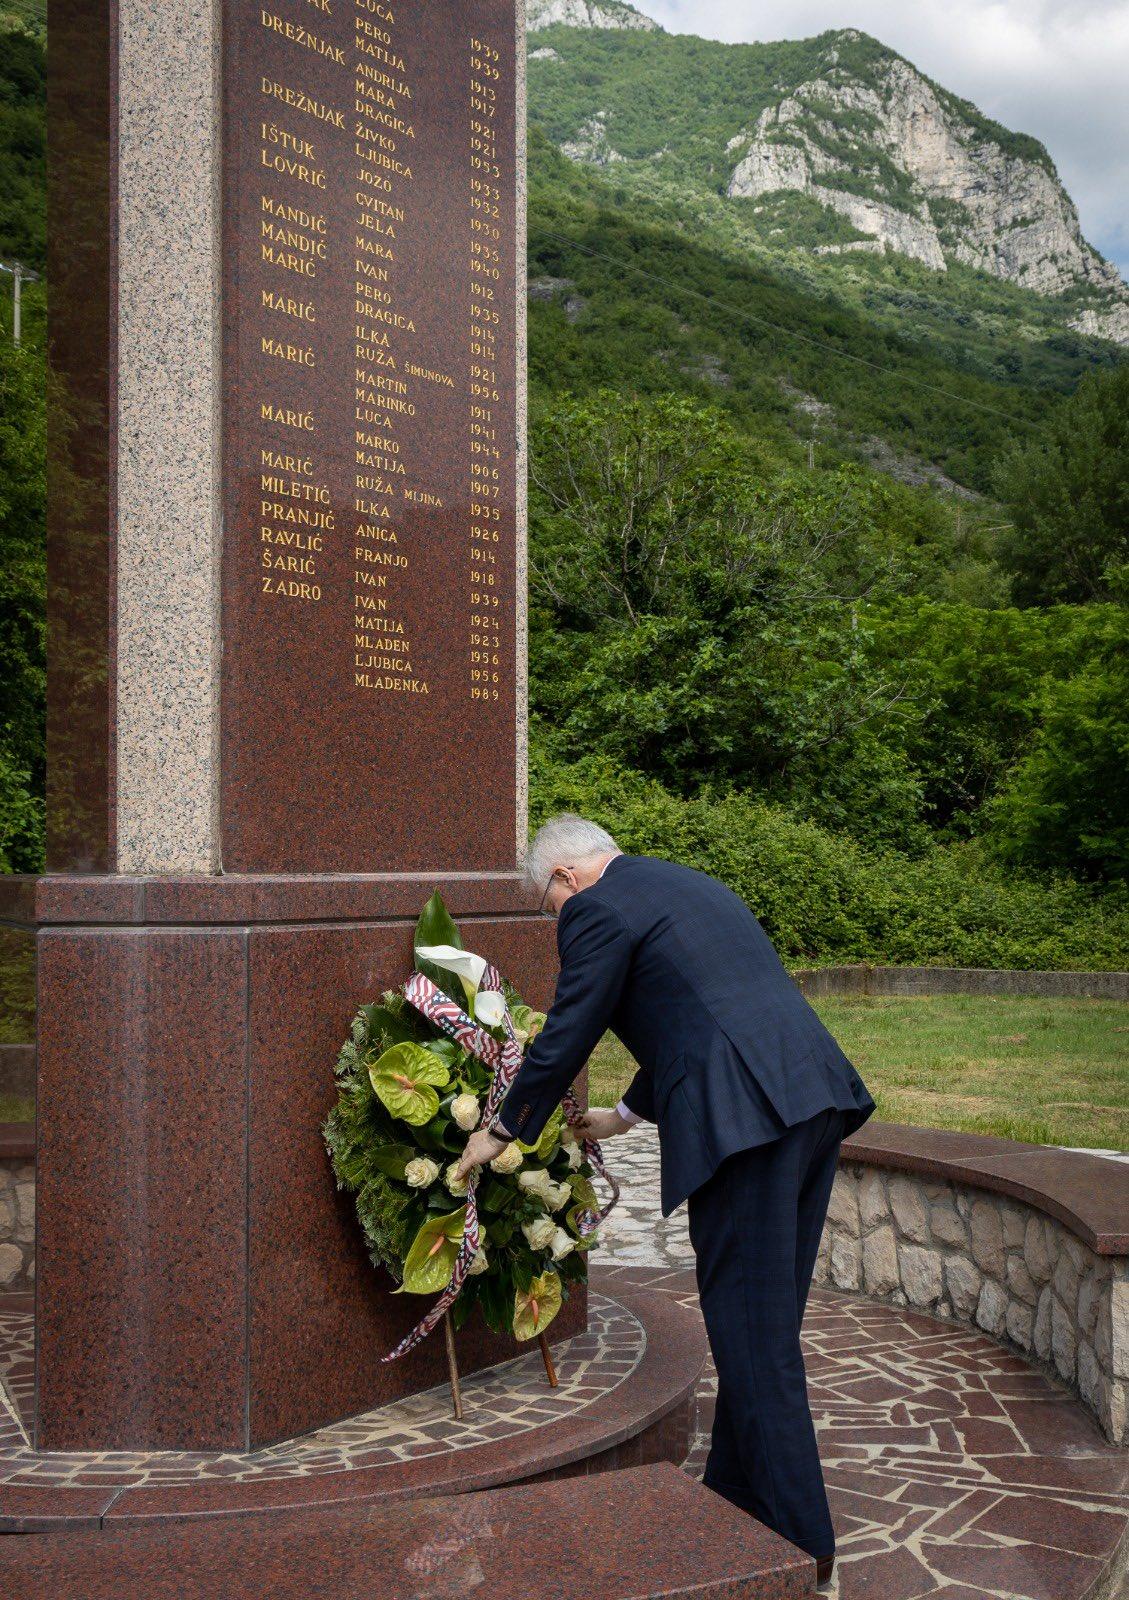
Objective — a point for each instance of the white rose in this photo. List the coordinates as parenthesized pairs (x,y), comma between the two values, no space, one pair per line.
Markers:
(567,1136)
(421,1172)
(451,1178)
(509,1160)
(575,1157)
(479,1264)
(536,1181)
(556,1195)
(466,1111)
(540,1233)
(561,1243)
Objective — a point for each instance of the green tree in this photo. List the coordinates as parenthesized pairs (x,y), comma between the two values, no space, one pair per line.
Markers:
(1068,495)
(22,590)
(1065,807)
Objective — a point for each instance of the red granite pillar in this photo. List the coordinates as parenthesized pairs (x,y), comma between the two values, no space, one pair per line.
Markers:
(286,661)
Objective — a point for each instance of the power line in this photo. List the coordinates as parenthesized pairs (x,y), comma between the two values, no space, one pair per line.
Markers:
(776,327)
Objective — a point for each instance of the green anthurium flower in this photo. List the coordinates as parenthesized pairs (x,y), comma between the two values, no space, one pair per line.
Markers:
(527,1022)
(435,1248)
(405,1079)
(549,1139)
(535,1307)
(583,1191)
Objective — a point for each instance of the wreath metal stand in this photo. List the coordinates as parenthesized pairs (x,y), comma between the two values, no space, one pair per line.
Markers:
(453,1365)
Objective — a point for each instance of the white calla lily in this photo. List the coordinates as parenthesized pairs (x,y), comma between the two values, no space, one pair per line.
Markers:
(464,963)
(490,1007)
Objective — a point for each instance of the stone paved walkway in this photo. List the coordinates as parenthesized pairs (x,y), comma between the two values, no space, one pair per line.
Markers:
(955,1470)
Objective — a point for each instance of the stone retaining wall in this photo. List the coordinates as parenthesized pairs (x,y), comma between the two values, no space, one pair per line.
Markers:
(17,1222)
(995,1263)
(865,979)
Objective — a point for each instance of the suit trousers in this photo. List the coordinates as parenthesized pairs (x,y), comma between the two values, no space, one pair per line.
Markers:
(755,1228)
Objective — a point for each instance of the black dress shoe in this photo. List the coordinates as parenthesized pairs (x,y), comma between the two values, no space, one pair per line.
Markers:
(823,1570)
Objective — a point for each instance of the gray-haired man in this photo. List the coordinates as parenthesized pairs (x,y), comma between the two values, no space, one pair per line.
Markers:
(752,1097)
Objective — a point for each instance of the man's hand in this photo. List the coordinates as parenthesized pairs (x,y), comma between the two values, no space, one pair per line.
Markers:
(601,1123)
(481,1147)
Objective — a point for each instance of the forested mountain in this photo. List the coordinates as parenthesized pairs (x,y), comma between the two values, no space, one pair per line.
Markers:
(828,500)
(836,157)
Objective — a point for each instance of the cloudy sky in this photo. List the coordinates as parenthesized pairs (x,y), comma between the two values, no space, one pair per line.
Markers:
(1056,68)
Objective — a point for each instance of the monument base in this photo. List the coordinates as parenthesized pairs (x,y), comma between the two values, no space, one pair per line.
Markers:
(626,1395)
(201,1284)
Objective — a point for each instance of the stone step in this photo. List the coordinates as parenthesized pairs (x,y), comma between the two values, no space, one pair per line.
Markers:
(645,1531)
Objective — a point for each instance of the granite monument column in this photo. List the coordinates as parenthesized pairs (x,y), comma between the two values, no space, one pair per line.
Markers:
(287,671)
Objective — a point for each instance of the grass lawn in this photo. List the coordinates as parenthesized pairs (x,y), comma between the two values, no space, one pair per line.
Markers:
(1044,1071)
(16,1108)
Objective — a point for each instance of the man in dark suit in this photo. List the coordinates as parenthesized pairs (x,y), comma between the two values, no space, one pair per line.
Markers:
(752,1097)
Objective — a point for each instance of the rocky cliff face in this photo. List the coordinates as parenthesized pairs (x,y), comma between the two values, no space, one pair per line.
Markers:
(585,14)
(910,168)
(1002,213)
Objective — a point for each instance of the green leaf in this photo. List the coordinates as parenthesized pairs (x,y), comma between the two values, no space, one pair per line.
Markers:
(495,1196)
(535,1307)
(549,1139)
(383,1024)
(435,1248)
(393,1158)
(404,1079)
(435,925)
(583,1191)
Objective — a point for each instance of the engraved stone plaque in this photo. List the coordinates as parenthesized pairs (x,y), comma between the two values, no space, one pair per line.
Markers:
(369,687)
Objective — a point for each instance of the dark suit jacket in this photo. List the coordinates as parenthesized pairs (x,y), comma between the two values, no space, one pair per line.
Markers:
(729,1051)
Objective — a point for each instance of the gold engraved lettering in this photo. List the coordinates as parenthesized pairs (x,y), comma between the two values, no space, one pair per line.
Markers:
(365,680)
(301,101)
(301,37)
(304,310)
(301,356)
(289,539)
(311,221)
(302,465)
(288,418)
(426,373)
(288,589)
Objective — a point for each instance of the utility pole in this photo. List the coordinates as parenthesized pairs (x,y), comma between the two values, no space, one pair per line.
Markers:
(811,455)
(20,276)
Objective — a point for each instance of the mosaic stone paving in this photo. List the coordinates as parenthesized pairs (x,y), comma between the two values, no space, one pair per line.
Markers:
(499,1402)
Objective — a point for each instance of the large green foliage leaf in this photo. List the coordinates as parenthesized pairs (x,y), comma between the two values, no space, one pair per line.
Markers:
(405,1079)
(436,926)
(435,1248)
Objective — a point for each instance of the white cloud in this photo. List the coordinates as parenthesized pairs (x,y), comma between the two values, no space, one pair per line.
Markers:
(1057,69)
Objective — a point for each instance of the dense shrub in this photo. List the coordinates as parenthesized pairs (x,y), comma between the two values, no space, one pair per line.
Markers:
(824,898)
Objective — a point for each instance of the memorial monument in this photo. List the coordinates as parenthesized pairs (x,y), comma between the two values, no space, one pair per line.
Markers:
(287,672)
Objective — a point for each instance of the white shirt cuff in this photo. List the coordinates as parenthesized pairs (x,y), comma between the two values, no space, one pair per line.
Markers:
(629,1116)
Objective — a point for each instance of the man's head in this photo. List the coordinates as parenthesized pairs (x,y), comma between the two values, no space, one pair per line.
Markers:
(567,854)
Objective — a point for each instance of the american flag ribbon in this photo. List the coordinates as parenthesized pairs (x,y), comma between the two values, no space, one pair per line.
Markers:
(503,1059)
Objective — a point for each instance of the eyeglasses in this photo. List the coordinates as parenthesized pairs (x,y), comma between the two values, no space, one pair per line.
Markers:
(541,911)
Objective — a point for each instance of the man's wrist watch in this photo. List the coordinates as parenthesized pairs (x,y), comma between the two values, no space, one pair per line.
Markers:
(496,1131)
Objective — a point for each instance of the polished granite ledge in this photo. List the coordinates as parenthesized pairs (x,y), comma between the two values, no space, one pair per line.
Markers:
(1087,1193)
(95,899)
(647,1531)
(642,1417)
